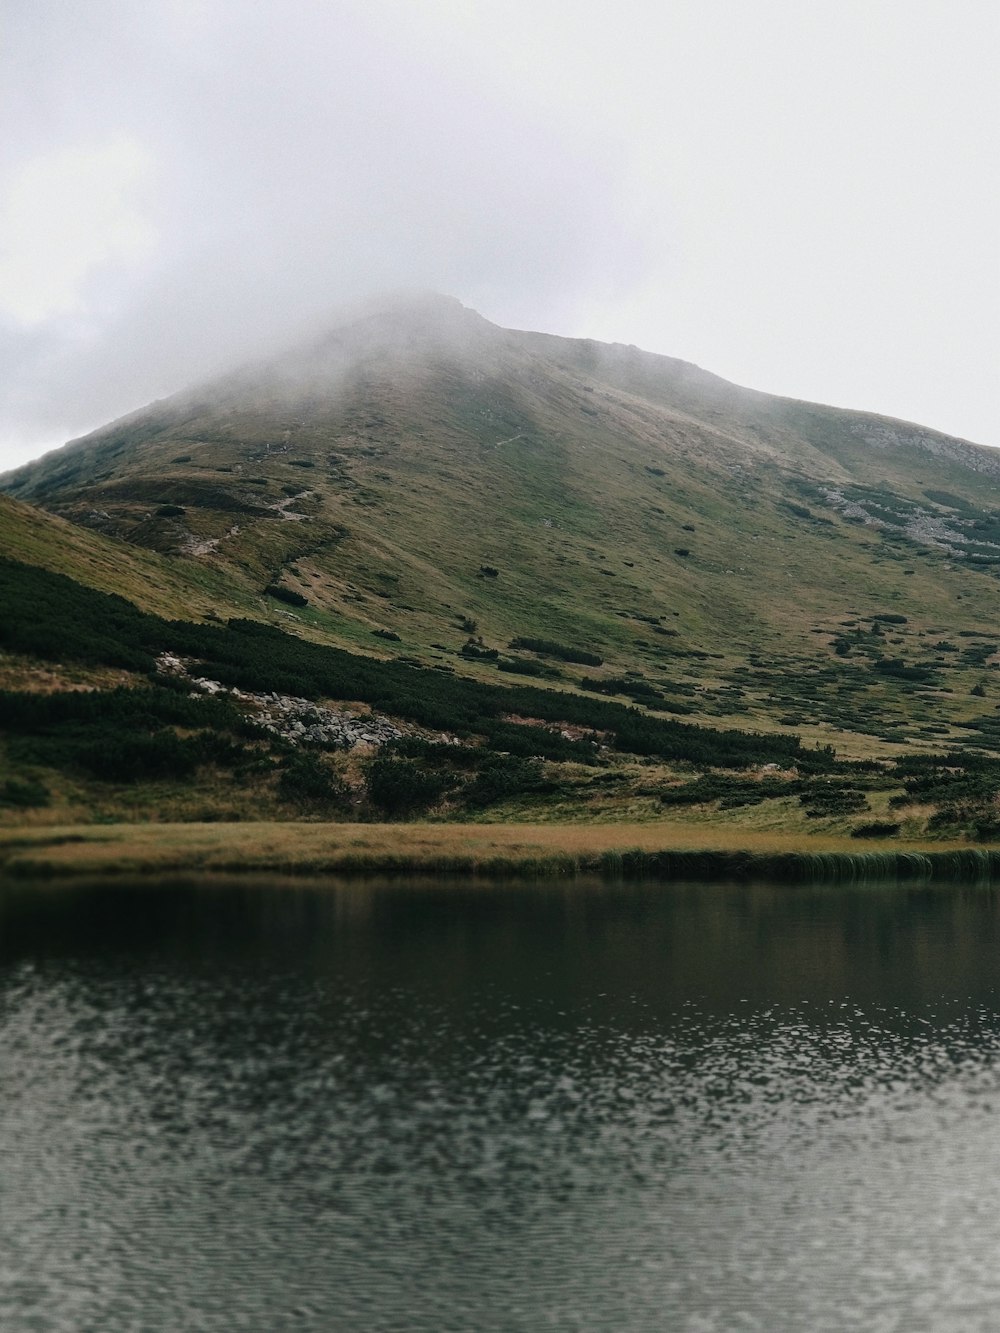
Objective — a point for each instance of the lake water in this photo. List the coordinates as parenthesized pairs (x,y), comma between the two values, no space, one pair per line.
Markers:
(435,1107)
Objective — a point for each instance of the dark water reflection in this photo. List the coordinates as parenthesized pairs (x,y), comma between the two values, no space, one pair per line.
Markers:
(415,1107)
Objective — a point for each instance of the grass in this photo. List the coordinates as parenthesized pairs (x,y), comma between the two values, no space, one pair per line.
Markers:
(557,464)
(562,463)
(664,850)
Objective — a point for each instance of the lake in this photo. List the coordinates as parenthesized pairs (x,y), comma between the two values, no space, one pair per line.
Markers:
(429,1106)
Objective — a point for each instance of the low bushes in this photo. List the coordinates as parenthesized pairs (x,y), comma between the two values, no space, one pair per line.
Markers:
(287,595)
(23,793)
(121,735)
(306,782)
(53,617)
(562,651)
(399,787)
(876,828)
(502,776)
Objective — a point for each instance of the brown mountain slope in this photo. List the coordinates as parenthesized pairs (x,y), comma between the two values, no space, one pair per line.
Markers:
(733,550)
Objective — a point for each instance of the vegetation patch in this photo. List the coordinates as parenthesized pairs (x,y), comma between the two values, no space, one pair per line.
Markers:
(562,651)
(400,788)
(23,793)
(289,596)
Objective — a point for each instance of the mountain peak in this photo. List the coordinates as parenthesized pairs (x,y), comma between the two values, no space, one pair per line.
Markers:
(401,325)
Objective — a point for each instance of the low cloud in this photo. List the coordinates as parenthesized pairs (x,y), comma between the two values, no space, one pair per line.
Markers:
(803,199)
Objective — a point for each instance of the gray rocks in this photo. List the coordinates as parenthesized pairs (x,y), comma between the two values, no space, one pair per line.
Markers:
(298,721)
(305,723)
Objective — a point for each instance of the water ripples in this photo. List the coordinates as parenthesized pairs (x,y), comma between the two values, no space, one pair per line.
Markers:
(259,1134)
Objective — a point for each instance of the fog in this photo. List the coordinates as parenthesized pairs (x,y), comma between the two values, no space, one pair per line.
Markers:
(801,198)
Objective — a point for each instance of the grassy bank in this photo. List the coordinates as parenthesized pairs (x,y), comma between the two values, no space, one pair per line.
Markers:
(613,850)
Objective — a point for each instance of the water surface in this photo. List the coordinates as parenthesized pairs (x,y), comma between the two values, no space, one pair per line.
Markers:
(433,1107)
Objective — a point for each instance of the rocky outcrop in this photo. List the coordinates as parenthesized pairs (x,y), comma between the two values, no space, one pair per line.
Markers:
(299,721)
(306,723)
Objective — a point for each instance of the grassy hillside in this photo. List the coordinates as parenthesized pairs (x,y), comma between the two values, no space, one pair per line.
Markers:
(423,474)
(563,528)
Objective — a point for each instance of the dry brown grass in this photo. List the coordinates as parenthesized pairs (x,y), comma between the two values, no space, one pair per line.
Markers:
(28,674)
(330,848)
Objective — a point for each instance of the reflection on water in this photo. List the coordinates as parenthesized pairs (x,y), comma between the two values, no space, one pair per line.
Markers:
(415,1107)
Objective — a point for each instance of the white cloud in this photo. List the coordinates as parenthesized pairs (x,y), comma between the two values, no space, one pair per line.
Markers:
(69,215)
(804,198)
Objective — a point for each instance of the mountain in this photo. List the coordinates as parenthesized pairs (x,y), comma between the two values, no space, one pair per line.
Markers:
(425,479)
(426,565)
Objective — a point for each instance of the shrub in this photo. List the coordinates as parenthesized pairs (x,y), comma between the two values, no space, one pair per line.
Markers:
(399,787)
(51,616)
(23,793)
(283,594)
(876,828)
(54,617)
(525,666)
(987,828)
(488,571)
(640,690)
(550,648)
(305,781)
(896,667)
(472,649)
(139,758)
(170,511)
(821,803)
(502,776)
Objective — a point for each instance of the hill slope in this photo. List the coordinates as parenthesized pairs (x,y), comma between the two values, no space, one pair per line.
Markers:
(439,488)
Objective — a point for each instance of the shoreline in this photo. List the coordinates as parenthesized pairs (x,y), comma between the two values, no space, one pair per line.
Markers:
(490,851)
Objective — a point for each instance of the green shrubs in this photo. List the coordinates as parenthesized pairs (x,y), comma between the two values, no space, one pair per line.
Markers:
(732,793)
(639,690)
(120,735)
(876,828)
(502,776)
(54,617)
(896,667)
(550,648)
(824,803)
(525,666)
(287,595)
(23,794)
(308,783)
(139,758)
(398,787)
(472,648)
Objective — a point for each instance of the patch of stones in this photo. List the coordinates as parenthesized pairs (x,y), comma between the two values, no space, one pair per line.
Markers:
(299,721)
(922,527)
(882,435)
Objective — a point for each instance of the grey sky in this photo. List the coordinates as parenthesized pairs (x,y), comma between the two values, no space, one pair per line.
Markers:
(801,196)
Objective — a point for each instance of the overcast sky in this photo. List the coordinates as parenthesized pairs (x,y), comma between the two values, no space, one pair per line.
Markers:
(800,195)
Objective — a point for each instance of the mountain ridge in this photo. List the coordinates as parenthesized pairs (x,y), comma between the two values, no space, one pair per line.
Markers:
(422,478)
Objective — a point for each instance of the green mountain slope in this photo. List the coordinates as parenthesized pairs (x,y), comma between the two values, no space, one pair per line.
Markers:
(438,488)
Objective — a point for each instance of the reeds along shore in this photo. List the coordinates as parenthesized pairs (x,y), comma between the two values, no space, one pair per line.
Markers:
(501,851)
